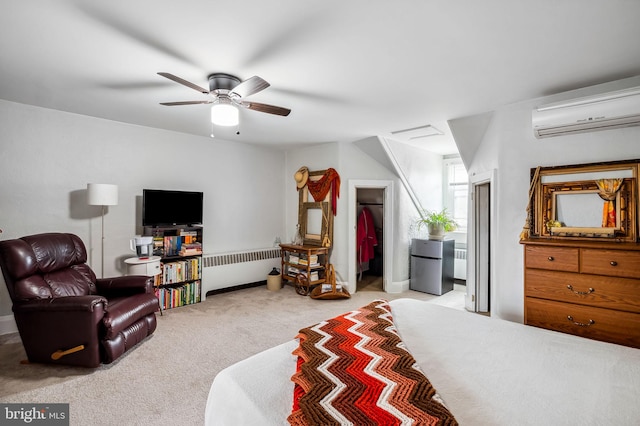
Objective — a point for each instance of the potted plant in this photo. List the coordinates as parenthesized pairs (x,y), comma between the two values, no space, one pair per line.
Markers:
(437,223)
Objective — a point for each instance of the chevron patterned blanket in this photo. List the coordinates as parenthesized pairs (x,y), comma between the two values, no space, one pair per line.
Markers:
(355,370)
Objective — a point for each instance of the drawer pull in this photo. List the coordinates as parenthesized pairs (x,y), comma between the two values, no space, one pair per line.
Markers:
(613,263)
(550,259)
(580,293)
(581,324)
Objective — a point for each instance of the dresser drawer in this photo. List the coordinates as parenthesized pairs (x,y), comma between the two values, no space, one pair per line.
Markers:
(553,258)
(618,263)
(603,292)
(593,323)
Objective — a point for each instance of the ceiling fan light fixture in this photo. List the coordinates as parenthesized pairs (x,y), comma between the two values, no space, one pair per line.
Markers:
(225,115)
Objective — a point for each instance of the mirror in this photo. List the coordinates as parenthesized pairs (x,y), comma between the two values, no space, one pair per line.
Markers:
(568,202)
(580,209)
(314,221)
(316,224)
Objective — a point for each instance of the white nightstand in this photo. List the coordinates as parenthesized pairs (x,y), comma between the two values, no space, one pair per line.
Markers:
(149,266)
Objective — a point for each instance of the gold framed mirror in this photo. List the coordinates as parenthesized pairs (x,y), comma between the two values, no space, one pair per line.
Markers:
(587,201)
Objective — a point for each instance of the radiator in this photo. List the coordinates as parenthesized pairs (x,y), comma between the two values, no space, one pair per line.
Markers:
(222,270)
(460,264)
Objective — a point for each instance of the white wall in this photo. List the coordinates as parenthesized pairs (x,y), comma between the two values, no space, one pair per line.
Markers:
(424,172)
(508,145)
(48,157)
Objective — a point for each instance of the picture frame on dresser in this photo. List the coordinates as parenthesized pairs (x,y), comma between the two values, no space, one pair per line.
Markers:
(569,201)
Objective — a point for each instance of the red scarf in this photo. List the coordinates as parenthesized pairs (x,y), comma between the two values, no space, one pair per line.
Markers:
(319,189)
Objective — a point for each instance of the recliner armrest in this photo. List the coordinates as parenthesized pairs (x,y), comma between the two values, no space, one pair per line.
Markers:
(48,326)
(60,304)
(124,286)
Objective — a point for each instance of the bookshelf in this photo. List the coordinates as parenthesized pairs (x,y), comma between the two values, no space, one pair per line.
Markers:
(180,250)
(311,261)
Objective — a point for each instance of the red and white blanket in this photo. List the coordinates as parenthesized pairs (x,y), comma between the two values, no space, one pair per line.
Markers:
(355,370)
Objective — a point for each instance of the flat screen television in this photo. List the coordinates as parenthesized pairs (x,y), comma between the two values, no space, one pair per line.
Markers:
(162,207)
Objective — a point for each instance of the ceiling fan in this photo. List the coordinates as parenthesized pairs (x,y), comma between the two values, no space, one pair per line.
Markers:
(228,90)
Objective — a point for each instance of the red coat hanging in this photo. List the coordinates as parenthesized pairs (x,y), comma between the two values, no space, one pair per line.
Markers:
(366,236)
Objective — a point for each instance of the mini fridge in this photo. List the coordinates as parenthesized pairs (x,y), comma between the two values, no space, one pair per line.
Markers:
(432,263)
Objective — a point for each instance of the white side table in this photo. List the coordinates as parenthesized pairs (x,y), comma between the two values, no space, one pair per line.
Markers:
(149,266)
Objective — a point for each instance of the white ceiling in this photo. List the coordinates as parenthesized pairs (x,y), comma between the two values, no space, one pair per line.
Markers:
(347,69)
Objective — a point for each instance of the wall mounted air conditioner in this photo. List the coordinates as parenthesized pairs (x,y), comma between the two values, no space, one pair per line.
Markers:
(600,112)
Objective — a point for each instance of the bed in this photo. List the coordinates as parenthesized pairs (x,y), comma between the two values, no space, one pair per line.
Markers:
(487,371)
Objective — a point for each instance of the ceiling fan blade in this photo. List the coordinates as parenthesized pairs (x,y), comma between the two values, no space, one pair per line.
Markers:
(248,87)
(185,103)
(270,109)
(184,82)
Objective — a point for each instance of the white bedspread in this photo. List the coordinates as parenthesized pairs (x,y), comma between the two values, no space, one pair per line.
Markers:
(487,371)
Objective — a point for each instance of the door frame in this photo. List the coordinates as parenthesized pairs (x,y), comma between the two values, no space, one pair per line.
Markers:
(387,230)
(475,179)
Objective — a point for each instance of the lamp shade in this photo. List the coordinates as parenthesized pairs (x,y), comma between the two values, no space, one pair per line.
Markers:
(225,115)
(102,194)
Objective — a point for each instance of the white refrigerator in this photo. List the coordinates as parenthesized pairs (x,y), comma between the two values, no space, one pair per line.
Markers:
(432,263)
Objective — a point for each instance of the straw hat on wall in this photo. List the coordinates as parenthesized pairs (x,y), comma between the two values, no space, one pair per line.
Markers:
(301,177)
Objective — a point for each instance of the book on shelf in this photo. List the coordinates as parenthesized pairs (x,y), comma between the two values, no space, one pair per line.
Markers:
(294,259)
(312,277)
(181,270)
(191,249)
(172,245)
(188,237)
(173,297)
(312,259)
(190,252)
(293,271)
(158,245)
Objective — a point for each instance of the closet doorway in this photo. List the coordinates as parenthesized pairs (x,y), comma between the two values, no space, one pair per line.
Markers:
(370,238)
(370,242)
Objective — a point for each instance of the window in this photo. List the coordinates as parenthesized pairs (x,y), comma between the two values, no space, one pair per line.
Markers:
(456,191)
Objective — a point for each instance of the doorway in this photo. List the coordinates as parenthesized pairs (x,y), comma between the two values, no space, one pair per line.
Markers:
(375,196)
(370,239)
(482,233)
(480,247)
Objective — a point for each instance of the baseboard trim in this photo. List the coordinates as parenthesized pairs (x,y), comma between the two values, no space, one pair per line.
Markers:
(8,325)
(236,287)
(398,287)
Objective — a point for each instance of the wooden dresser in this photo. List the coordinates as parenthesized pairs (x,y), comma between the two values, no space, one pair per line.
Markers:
(587,288)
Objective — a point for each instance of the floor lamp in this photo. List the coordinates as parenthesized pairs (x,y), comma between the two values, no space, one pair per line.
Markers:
(102,194)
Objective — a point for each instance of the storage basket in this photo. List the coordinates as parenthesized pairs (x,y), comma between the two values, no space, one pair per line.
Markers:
(330,290)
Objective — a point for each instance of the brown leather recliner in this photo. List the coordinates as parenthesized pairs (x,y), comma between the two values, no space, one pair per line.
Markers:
(64,314)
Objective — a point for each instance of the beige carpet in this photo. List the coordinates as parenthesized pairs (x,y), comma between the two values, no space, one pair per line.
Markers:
(166,379)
